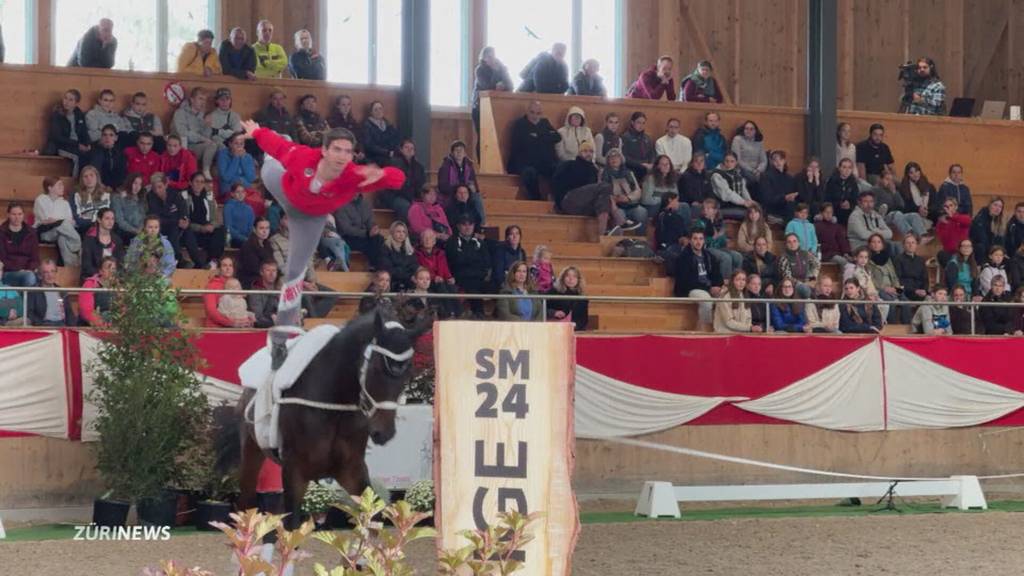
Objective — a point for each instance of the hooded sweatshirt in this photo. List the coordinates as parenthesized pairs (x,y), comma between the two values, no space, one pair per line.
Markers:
(931,316)
(573,136)
(961,192)
(97,118)
(189,125)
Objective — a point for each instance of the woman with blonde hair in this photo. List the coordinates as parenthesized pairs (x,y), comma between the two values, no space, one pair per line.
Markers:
(734,317)
(570,282)
(989,227)
(398,257)
(89,197)
(518,281)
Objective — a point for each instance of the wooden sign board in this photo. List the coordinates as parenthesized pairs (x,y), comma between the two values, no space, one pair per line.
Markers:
(503,434)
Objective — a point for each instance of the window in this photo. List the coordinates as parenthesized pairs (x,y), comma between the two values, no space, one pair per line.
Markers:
(184,21)
(15,15)
(362,41)
(449,52)
(600,39)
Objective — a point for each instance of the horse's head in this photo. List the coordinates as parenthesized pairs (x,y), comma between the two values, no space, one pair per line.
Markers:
(386,370)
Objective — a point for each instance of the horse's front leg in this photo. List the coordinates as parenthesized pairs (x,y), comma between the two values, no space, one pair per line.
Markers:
(295,483)
(249,469)
(354,477)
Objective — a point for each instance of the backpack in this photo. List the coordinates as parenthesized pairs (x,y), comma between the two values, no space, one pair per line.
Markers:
(631,248)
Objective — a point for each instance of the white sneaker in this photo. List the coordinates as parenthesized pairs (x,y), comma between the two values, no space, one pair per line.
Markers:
(629,226)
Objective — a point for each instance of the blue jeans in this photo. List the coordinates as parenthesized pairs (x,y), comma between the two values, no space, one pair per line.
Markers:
(907,222)
(478,203)
(336,248)
(637,214)
(728,260)
(20,278)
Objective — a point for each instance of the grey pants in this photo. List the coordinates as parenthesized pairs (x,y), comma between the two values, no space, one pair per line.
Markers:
(304,233)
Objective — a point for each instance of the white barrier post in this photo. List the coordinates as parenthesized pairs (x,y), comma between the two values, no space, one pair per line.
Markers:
(970,495)
(657,499)
(2,533)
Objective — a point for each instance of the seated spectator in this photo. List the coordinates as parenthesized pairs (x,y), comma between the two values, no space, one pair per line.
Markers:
(170,207)
(196,135)
(103,114)
(415,179)
(224,121)
(205,229)
(662,179)
(100,242)
(470,262)
(997,320)
(490,74)
(809,188)
(54,221)
(778,189)
(271,59)
(161,246)
(427,214)
(695,182)
(672,229)
(625,193)
(518,281)
(932,317)
(263,306)
(951,228)
(962,270)
(94,308)
(432,258)
(637,146)
(230,313)
(67,135)
(398,257)
(753,227)
(341,115)
(52,307)
(893,205)
(97,48)
(457,170)
(710,140)
(569,283)
(823,317)
(734,317)
(358,230)
(573,133)
(886,281)
(954,187)
(380,138)
(748,146)
(542,271)
(333,248)
(730,188)
(858,270)
(857,318)
(919,196)
(989,227)
(107,159)
(607,138)
(379,285)
(532,155)
(276,117)
(239,217)
(1018,313)
(700,85)
(235,166)
(547,73)
(874,155)
(865,221)
(789,316)
(677,147)
(421,287)
(697,275)
(256,250)
(845,146)
(832,238)
(1016,268)
(803,228)
(715,239)
(19,248)
(587,82)
(462,204)
(995,267)
(655,82)
(759,313)
(88,199)
(505,254)
(306,63)
(578,192)
(842,191)
(310,124)
(199,57)
(177,164)
(799,265)
(1015,230)
(912,270)
(236,57)
(141,158)
(764,263)
(960,316)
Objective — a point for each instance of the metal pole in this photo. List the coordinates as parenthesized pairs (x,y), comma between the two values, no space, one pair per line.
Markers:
(821,80)
(544,310)
(972,320)
(767,316)
(24,308)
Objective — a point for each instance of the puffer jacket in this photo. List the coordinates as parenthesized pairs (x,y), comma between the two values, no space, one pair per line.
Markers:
(573,136)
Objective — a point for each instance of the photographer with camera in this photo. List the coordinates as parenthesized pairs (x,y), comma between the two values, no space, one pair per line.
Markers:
(923,91)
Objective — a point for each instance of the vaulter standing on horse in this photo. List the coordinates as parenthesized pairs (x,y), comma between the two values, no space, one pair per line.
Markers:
(310,183)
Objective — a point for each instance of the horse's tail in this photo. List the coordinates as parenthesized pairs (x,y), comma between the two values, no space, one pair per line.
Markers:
(227,438)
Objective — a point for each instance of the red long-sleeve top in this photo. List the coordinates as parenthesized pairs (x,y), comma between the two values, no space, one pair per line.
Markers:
(952,231)
(214,319)
(649,87)
(436,262)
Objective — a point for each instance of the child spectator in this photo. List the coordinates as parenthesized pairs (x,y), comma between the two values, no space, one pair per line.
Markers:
(663,179)
(637,146)
(697,276)
(710,140)
(951,228)
(841,190)
(823,317)
(518,281)
(94,307)
(541,270)
(421,286)
(715,239)
(960,316)
(398,257)
(803,228)
(432,258)
(799,265)
(310,125)
(994,267)
(100,242)
(141,158)
(461,204)
(457,170)
(608,138)
(677,147)
(19,248)
(700,85)
(224,121)
(989,227)
(88,199)
(573,133)
(962,270)
(764,263)
(997,320)
(470,262)
(932,317)
(233,306)
(695,182)
(857,318)
(912,270)
(54,221)
(428,214)
(779,189)
(68,135)
(919,196)
(505,254)
(255,250)
(748,146)
(953,188)
(415,179)
(734,317)
(753,227)
(730,187)
(569,283)
(886,281)
(809,188)
(759,315)
(832,238)
(177,163)
(789,316)
(239,217)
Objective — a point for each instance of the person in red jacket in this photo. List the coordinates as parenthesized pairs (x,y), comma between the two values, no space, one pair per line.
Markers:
(214,318)
(141,157)
(310,183)
(655,82)
(178,164)
(429,256)
(951,229)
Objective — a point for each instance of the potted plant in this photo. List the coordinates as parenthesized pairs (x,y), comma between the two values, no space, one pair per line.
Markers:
(420,497)
(320,498)
(215,507)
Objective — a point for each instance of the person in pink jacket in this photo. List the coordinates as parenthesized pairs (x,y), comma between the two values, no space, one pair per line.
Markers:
(655,83)
(428,214)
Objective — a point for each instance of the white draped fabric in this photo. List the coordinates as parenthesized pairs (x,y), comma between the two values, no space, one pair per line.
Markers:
(33,390)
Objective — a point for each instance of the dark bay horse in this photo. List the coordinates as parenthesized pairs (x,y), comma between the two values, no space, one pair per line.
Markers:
(364,368)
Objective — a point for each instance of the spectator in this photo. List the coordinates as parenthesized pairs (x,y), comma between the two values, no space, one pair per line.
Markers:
(518,281)
(695,182)
(547,73)
(842,191)
(341,115)
(574,133)
(418,301)
(587,82)
(628,213)
(380,139)
(952,228)
(857,318)
(960,316)
(311,126)
(865,221)
(90,196)
(748,145)
(239,218)
(140,120)
(926,91)
(232,314)
(893,205)
(264,306)
(730,187)
(954,187)
(428,214)
(912,270)
(569,283)
(379,285)
(162,248)
(68,135)
(100,242)
(637,146)
(233,306)
(1015,230)
(224,121)
(255,250)
(674,145)
(461,204)
(698,276)
(129,204)
(874,155)
(799,265)
(1016,268)
(103,114)
(715,240)
(205,230)
(141,159)
(54,221)
(734,317)
(333,248)
(19,248)
(276,117)
(662,179)
(779,190)
(886,281)
(398,257)
(457,170)
(235,165)
(169,206)
(542,271)
(759,315)
(823,317)
(306,63)
(832,239)
(700,85)
(11,303)
(753,227)
(789,316)
(195,133)
(672,229)
(919,195)
(709,139)
(415,179)
(177,164)
(358,230)
(845,147)
(764,263)
(858,269)
(997,320)
(237,58)
(94,307)
(994,268)
(271,59)
(932,317)
(532,154)
(97,48)
(107,160)
(989,227)
(607,138)
(505,254)
(655,82)
(52,307)
(470,263)
(199,57)
(432,258)
(803,228)
(809,188)
(962,270)
(490,74)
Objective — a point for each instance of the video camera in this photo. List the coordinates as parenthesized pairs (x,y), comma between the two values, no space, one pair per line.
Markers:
(908,71)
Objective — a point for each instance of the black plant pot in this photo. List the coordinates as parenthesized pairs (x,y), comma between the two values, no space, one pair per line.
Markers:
(186,506)
(110,512)
(159,511)
(209,511)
